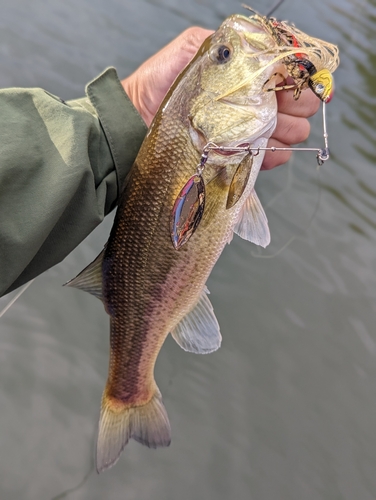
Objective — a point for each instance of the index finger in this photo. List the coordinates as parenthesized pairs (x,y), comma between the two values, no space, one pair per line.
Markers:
(307,104)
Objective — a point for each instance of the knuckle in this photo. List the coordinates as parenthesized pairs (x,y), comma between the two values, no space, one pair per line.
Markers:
(310,103)
(194,36)
(303,130)
(274,159)
(293,129)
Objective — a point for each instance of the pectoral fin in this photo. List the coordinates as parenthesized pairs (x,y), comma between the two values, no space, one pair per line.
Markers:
(198,331)
(252,224)
(90,279)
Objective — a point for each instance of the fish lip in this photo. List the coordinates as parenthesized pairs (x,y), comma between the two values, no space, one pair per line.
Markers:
(244,23)
(246,100)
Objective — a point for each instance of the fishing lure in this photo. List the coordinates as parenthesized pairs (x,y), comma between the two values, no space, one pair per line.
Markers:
(189,206)
(302,70)
(305,74)
(309,62)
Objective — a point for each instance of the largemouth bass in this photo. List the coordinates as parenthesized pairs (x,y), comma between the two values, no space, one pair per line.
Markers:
(181,204)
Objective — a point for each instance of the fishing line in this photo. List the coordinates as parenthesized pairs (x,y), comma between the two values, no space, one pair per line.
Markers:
(270,12)
(274,8)
(288,185)
(64,494)
(310,222)
(17,296)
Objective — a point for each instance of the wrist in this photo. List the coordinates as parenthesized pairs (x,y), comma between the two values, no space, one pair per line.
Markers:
(128,89)
(131,89)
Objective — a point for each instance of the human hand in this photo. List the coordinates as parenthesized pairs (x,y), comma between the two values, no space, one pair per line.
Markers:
(292,125)
(148,85)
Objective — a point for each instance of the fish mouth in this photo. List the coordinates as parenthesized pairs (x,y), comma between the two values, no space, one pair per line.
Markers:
(258,44)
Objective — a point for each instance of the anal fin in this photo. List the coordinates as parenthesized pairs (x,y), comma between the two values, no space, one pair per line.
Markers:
(198,331)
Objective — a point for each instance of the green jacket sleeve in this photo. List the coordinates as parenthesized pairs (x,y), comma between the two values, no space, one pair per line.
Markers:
(62,166)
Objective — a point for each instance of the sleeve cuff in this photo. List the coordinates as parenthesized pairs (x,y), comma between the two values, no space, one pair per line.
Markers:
(122,125)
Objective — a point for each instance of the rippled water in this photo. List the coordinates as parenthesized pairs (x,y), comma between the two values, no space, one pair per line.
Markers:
(286,409)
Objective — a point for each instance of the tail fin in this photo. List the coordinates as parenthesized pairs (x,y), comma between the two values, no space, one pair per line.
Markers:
(148,424)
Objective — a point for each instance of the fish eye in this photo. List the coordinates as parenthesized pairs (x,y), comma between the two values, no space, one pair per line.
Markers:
(319,89)
(222,54)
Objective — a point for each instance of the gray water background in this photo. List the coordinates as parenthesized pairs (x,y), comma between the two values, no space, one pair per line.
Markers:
(286,409)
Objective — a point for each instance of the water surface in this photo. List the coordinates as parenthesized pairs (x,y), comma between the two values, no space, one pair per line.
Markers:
(286,409)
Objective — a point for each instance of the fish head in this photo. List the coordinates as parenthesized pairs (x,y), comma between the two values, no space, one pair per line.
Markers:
(230,105)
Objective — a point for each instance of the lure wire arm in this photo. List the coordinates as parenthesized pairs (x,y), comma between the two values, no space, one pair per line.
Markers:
(321,156)
(189,205)
(324,153)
